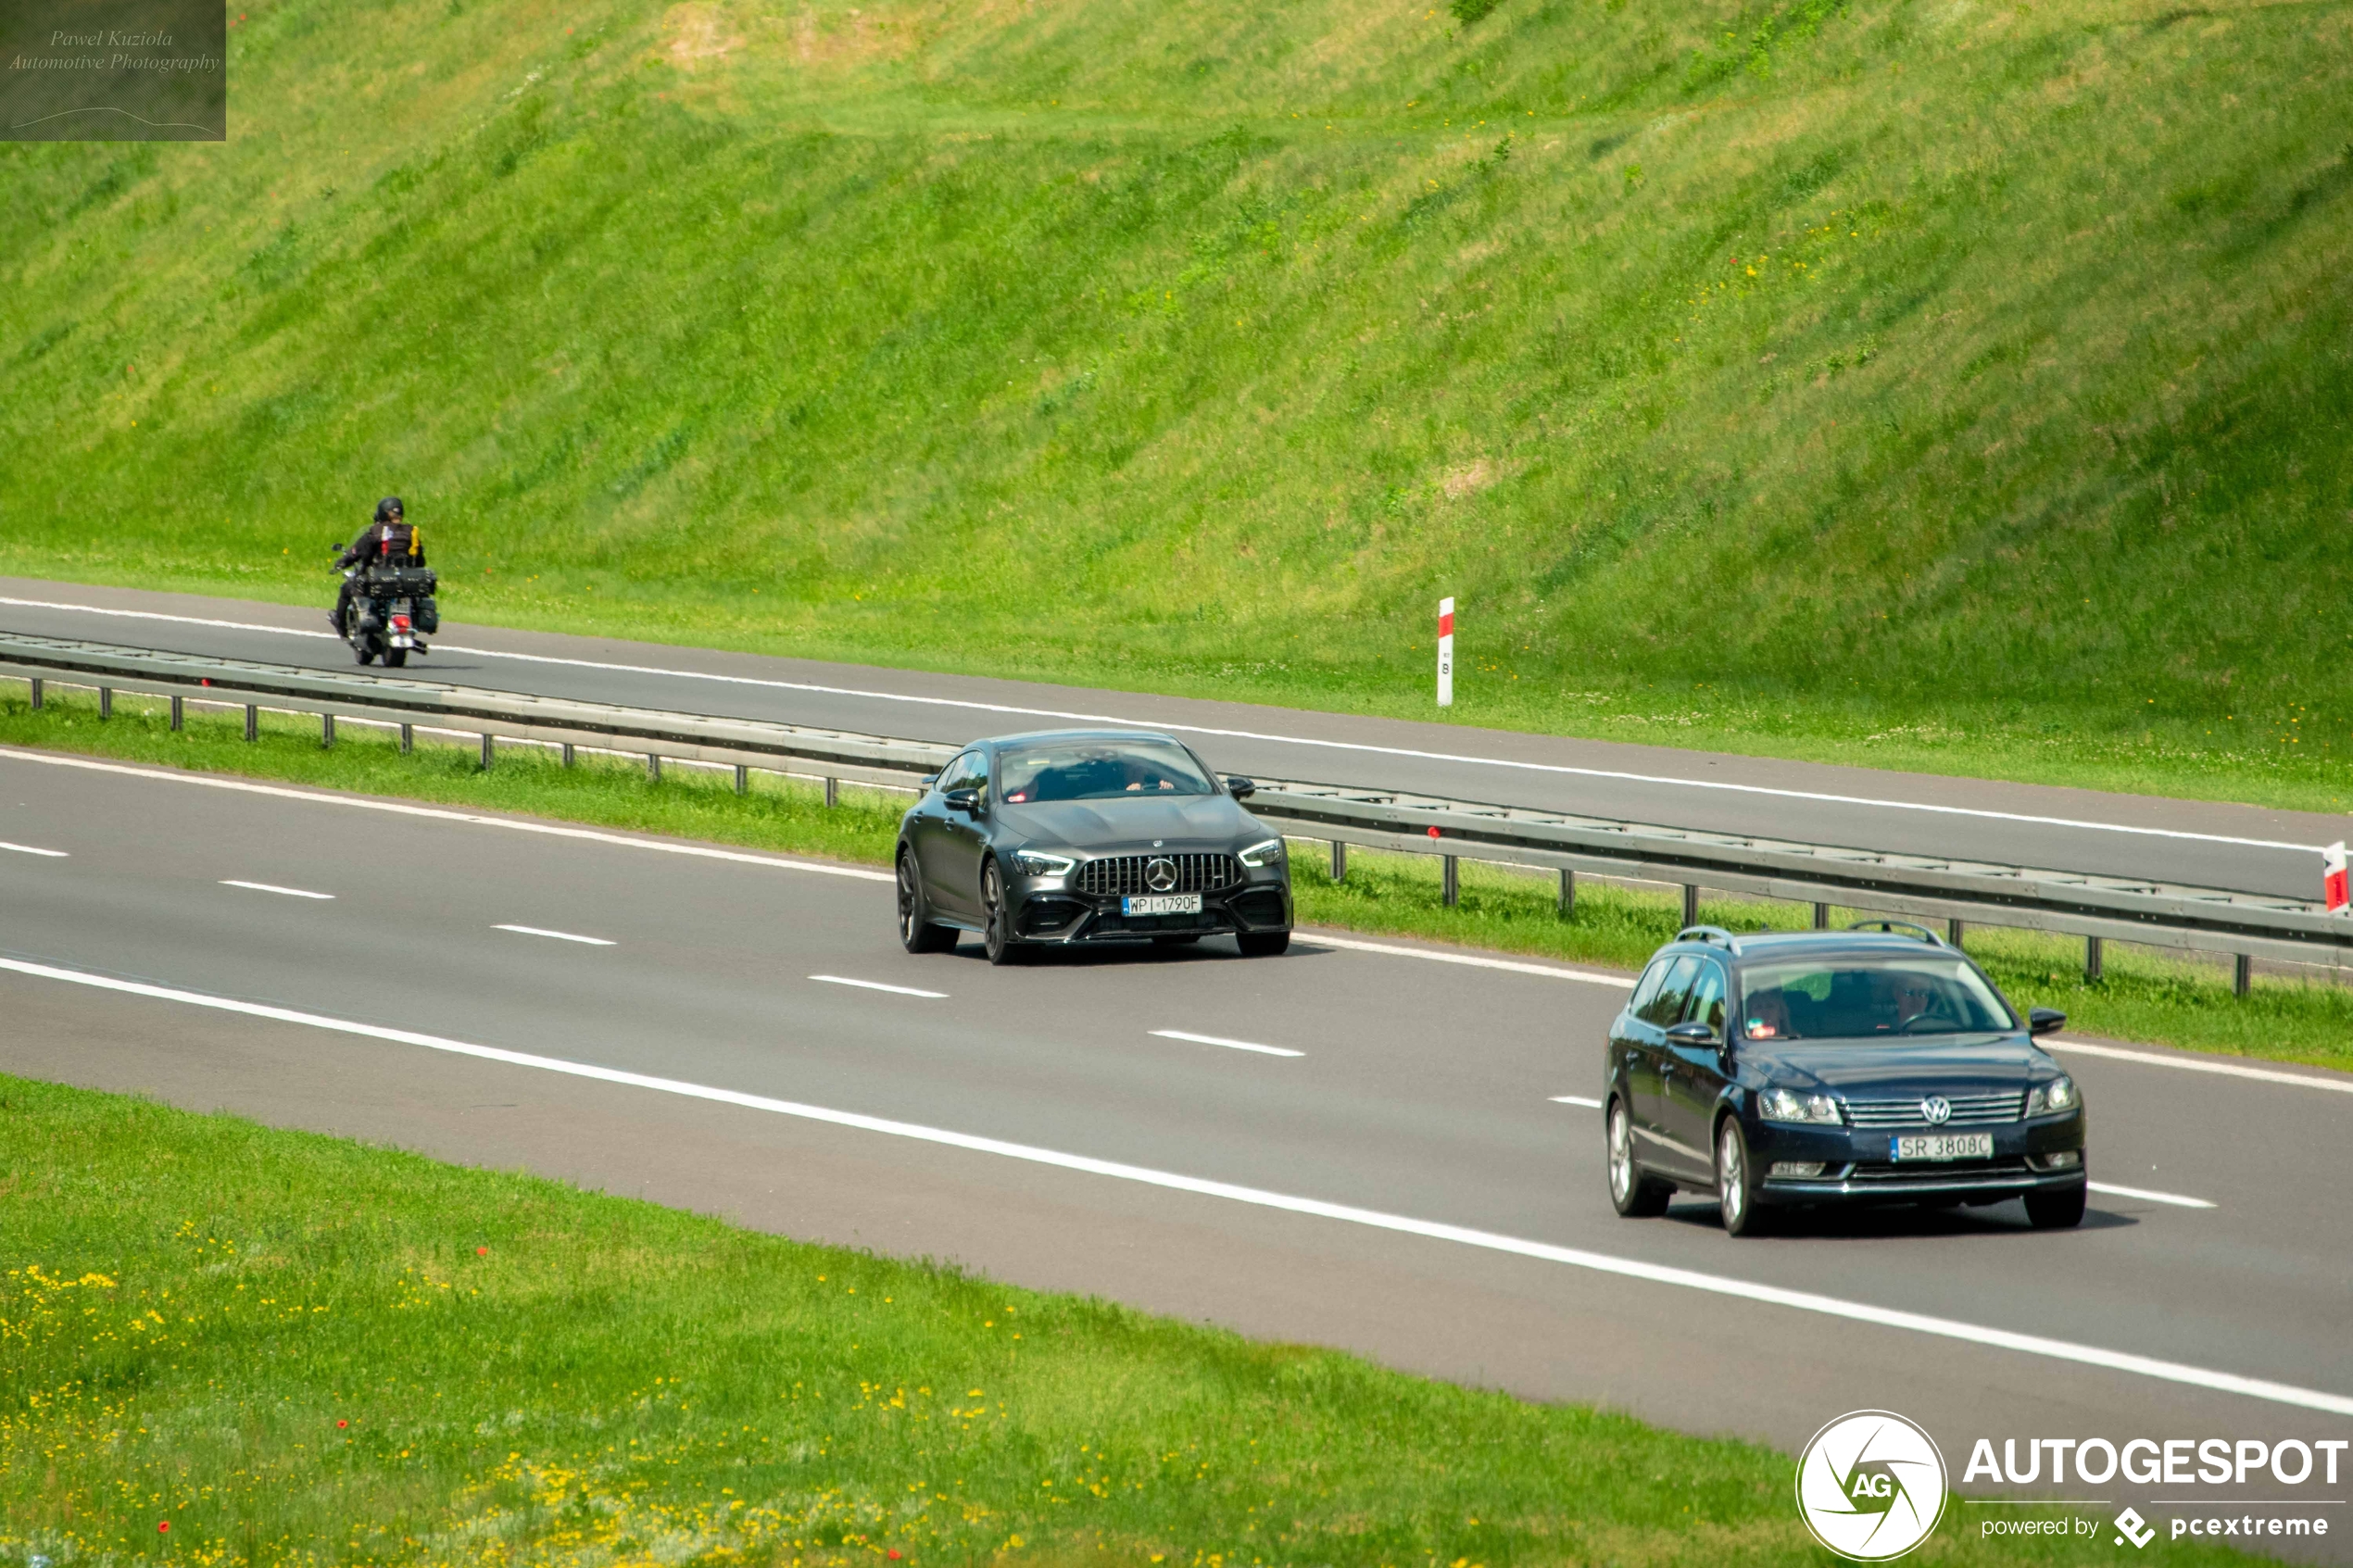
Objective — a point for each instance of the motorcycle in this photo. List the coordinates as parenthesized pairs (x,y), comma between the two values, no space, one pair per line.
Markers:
(391,613)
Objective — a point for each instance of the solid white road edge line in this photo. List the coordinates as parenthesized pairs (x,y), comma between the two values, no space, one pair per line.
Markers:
(878,986)
(559,935)
(1576,1099)
(2176,1199)
(434,813)
(29,849)
(1218,1040)
(1248,734)
(1550,972)
(272,887)
(2191,1065)
(1599,1263)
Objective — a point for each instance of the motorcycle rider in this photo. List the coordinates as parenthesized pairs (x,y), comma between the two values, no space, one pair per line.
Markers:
(388,537)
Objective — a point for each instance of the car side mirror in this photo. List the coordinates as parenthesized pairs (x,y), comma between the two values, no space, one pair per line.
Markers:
(963,800)
(1694,1034)
(1240,789)
(2044,1021)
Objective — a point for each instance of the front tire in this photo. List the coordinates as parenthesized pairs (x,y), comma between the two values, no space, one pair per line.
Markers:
(997,920)
(1262,944)
(1633,1194)
(2057,1209)
(1736,1181)
(916,932)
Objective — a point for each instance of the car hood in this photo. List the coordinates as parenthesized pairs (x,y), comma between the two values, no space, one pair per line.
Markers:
(1185,821)
(1989,1062)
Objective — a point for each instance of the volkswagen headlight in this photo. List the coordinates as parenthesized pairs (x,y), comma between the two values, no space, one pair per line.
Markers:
(1788,1105)
(1037,862)
(1260,855)
(2049,1099)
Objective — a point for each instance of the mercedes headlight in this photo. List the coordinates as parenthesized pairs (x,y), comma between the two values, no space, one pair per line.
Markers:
(1261,856)
(2049,1099)
(1036,862)
(1788,1105)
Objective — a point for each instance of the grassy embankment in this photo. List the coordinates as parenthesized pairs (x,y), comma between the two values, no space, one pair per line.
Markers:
(1962,388)
(2143,996)
(238,1346)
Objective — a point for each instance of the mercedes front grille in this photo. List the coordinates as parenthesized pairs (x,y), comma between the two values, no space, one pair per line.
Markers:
(1121,874)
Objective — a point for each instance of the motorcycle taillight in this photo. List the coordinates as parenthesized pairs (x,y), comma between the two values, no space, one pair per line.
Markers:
(400,623)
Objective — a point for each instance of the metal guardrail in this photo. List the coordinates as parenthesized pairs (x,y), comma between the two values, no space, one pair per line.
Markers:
(1961,892)
(407,700)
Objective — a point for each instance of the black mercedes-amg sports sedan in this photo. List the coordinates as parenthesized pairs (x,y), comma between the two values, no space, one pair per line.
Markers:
(1085,838)
(1875,1065)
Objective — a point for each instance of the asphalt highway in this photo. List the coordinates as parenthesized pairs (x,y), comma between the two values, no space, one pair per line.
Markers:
(741,1033)
(2240,848)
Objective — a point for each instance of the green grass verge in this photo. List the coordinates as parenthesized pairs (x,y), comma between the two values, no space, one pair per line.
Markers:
(239,1347)
(2143,997)
(1872,379)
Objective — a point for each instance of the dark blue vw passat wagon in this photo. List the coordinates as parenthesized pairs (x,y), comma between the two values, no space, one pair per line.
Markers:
(1876,1065)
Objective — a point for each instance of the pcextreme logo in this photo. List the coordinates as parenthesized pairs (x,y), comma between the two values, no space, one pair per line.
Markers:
(1871,1486)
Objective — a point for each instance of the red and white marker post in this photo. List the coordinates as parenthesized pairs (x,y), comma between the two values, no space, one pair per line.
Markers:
(1446,653)
(2333,884)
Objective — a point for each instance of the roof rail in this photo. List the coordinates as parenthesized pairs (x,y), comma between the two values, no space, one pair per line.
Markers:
(1708,934)
(1892,926)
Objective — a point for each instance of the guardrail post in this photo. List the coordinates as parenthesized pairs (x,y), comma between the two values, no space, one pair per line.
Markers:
(106,702)
(179,719)
(743,779)
(1568,893)
(1691,903)
(36,694)
(1952,933)
(408,739)
(567,754)
(1821,917)
(2242,975)
(253,722)
(1453,881)
(653,767)
(1339,860)
(2093,958)
(326,731)
(489,750)
(833,792)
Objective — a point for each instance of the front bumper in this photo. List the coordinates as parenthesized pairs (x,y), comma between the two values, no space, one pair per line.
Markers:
(1049,910)
(1858,1165)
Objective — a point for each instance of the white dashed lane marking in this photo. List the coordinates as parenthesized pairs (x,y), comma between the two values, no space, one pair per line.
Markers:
(1220,1040)
(29,849)
(878,986)
(2176,1199)
(274,887)
(559,935)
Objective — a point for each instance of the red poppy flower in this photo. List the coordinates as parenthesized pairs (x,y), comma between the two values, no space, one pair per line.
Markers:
(163,1526)
(343,1424)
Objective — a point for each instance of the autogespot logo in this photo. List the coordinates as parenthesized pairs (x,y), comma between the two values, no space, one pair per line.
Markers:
(1871,1486)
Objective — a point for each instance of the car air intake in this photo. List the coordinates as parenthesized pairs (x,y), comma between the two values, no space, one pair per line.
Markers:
(1120,874)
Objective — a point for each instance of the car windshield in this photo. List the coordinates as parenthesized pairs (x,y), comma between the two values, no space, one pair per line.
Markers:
(1864,998)
(1098,770)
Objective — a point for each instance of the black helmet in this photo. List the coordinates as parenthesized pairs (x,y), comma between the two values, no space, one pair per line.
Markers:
(388,509)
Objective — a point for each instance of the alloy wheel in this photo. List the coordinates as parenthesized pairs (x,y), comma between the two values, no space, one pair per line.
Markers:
(1732,1177)
(1621,1154)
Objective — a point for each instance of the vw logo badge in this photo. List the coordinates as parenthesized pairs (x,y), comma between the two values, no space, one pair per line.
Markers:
(1937,1109)
(1160,875)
